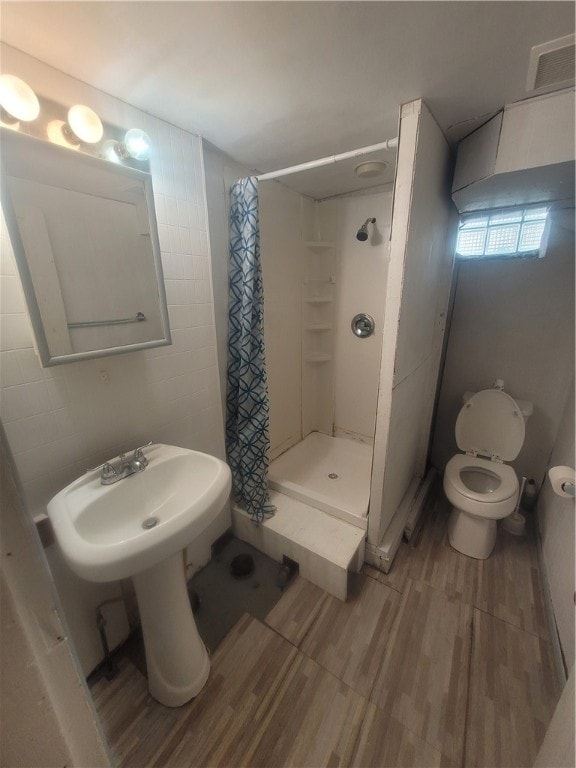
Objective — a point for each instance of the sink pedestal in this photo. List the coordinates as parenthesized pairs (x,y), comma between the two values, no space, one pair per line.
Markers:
(176,658)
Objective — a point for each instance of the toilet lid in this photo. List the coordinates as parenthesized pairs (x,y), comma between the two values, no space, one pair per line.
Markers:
(491,424)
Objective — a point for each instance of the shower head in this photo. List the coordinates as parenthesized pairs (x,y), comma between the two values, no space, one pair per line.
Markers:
(362,233)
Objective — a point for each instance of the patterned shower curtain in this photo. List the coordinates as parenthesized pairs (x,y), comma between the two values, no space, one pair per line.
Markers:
(247,413)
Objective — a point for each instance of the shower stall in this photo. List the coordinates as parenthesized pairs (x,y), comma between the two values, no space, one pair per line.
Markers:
(322,425)
(356,289)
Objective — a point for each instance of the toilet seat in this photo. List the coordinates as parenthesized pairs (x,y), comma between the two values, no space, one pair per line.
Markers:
(491,424)
(508,480)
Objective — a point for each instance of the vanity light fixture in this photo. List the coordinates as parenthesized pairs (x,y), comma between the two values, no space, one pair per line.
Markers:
(83,125)
(18,100)
(56,132)
(137,145)
(111,150)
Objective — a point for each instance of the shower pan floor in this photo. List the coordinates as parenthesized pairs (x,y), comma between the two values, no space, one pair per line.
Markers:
(329,473)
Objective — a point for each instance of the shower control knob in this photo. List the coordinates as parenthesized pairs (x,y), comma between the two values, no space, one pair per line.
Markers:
(362,325)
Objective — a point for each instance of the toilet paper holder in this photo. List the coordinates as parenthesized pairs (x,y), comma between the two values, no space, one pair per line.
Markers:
(563,481)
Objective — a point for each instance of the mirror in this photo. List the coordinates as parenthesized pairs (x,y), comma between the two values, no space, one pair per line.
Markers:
(85,240)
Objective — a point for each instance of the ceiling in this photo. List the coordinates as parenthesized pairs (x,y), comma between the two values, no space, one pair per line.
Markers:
(275,84)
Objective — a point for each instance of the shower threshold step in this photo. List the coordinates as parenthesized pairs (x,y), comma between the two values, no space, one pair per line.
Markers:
(325,548)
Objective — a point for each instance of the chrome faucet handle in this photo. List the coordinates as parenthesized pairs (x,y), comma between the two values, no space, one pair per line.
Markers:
(108,471)
(100,466)
(146,445)
(138,454)
(121,461)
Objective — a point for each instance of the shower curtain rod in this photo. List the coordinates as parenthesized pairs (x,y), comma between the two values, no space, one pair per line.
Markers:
(388,144)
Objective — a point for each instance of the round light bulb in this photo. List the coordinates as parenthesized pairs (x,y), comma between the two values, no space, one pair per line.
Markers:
(55,130)
(18,99)
(85,124)
(137,144)
(111,150)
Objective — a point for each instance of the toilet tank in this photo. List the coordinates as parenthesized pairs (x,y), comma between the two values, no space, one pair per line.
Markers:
(526,407)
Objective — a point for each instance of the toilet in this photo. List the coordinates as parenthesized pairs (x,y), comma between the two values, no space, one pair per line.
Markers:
(482,489)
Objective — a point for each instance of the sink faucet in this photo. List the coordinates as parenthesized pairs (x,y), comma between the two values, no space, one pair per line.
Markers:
(113,471)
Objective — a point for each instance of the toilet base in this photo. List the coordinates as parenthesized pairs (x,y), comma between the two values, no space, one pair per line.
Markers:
(472,535)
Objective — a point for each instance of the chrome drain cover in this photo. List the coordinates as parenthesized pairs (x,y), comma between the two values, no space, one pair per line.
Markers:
(150,522)
(333,476)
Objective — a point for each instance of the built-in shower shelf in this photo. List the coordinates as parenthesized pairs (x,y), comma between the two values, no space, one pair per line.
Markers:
(318,359)
(319,327)
(319,244)
(318,300)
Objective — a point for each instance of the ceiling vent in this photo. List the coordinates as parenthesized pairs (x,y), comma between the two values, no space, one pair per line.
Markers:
(551,65)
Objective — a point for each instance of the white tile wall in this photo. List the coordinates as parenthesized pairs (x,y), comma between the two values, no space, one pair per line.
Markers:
(220,172)
(63,419)
(283,253)
(361,285)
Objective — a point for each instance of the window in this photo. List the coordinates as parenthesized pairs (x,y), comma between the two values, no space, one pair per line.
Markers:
(503,233)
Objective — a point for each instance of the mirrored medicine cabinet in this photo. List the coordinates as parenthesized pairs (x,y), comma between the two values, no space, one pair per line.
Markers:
(85,239)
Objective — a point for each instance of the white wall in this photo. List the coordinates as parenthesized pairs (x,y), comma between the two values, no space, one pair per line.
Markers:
(556,522)
(513,320)
(559,745)
(220,172)
(362,270)
(283,220)
(416,300)
(46,715)
(61,420)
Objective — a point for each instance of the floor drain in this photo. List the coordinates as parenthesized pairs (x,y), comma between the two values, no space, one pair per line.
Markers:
(150,522)
(242,566)
(333,476)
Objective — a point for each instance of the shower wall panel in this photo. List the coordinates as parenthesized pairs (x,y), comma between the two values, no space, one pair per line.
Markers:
(318,295)
(360,287)
(282,217)
(421,260)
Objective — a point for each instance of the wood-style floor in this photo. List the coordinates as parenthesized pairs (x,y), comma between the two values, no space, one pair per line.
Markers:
(445,661)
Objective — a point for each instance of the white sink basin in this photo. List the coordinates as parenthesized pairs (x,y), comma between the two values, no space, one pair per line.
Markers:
(102,534)
(100,527)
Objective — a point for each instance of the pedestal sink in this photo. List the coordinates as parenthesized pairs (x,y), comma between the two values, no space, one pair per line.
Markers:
(137,528)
